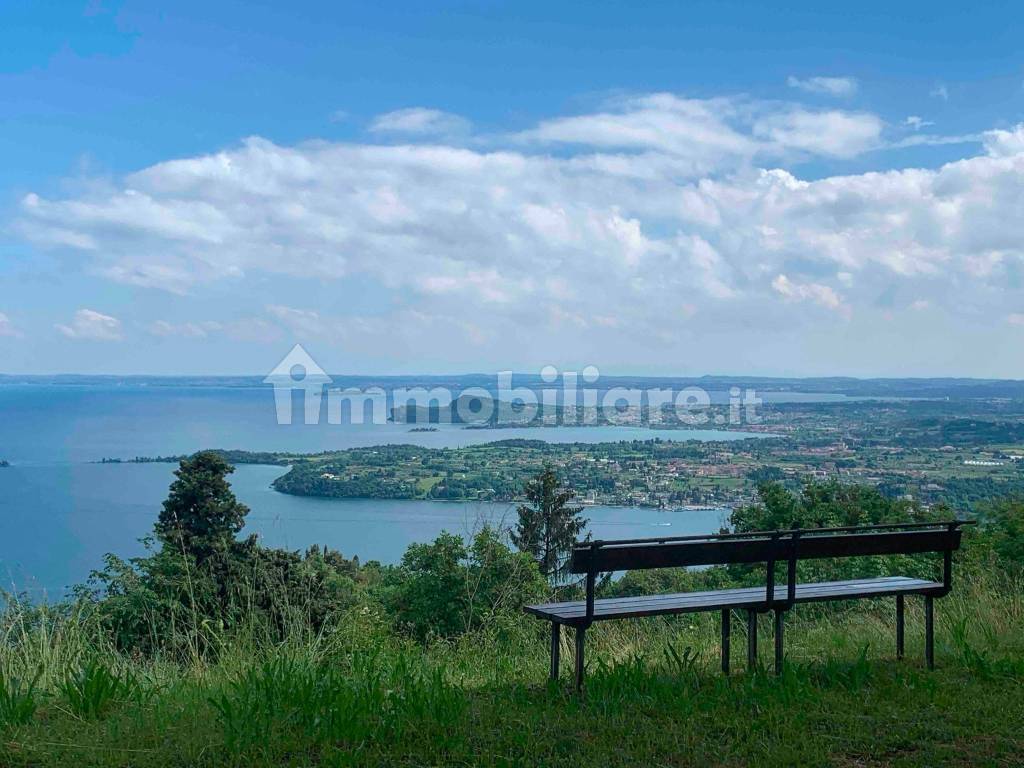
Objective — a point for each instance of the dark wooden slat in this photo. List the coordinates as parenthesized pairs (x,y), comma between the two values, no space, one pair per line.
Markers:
(756,593)
(612,557)
(734,598)
(645,556)
(890,543)
(737,597)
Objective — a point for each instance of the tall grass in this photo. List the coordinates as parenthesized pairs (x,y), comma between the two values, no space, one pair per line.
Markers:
(357,693)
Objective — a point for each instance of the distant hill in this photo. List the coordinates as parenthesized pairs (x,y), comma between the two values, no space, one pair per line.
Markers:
(952,388)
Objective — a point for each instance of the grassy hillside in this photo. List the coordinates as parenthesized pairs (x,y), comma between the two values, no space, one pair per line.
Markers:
(357,693)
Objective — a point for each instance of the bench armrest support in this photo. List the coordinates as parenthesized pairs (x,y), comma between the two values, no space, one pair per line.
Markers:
(591,584)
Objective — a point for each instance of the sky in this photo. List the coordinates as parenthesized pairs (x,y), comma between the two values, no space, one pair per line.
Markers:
(657,188)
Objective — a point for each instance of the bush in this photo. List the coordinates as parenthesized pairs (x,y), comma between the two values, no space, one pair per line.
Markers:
(443,589)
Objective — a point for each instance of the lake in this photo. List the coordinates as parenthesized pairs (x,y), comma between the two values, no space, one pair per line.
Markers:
(60,513)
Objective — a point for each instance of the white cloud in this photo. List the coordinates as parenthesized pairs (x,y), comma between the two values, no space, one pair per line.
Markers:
(188,330)
(696,130)
(1001,143)
(420,121)
(705,135)
(835,133)
(822,295)
(916,122)
(649,204)
(304,323)
(828,86)
(940,91)
(91,325)
(1015,318)
(7,327)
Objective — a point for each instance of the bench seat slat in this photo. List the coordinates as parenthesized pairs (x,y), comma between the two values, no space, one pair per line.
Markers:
(690,602)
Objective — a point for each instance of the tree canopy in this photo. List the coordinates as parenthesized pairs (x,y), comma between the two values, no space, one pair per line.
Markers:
(201,515)
(548,526)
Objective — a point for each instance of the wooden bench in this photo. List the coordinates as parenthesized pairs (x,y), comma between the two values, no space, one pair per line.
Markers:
(769,547)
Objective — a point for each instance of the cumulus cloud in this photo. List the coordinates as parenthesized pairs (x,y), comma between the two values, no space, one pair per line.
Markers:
(828,86)
(419,121)
(611,221)
(1002,143)
(91,325)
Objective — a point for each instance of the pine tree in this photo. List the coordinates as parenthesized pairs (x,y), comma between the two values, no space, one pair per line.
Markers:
(201,514)
(548,527)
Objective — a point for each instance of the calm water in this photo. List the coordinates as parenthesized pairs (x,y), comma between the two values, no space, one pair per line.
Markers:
(59,514)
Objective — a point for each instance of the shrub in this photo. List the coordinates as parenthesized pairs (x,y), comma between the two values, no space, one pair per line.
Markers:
(443,589)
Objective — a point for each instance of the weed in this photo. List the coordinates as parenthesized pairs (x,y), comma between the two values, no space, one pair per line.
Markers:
(92,688)
(17,700)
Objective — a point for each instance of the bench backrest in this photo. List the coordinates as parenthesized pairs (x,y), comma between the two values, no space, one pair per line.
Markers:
(768,547)
(730,549)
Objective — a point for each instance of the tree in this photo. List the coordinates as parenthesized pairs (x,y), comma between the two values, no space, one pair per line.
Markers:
(548,526)
(201,514)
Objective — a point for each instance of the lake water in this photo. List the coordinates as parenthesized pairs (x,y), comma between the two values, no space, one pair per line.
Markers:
(60,513)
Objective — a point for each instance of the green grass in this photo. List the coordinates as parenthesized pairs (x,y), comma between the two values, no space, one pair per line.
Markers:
(360,695)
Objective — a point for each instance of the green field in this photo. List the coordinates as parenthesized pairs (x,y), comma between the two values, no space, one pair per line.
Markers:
(358,694)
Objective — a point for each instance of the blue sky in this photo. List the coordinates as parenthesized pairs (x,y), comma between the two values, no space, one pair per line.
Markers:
(667,188)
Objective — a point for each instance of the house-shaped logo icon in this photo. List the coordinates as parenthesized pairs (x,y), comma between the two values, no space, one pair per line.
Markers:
(298,370)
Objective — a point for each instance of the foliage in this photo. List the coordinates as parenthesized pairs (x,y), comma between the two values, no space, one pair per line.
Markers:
(92,688)
(548,527)
(823,505)
(293,697)
(654,694)
(833,504)
(445,588)
(201,514)
(17,700)
(305,658)
(1004,529)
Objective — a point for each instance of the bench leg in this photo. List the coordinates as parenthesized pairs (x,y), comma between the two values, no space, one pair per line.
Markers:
(556,647)
(726,632)
(581,634)
(929,631)
(751,640)
(899,626)
(779,626)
